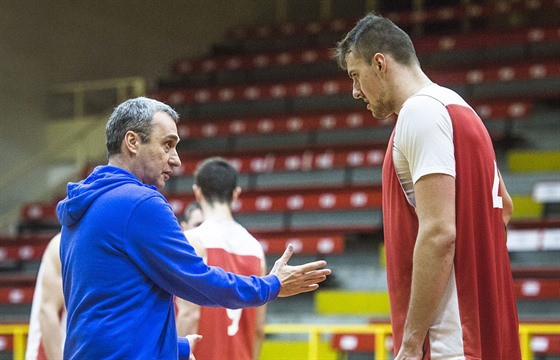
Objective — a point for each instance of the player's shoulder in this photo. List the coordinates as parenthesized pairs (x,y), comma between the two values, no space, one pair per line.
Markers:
(194,233)
(436,95)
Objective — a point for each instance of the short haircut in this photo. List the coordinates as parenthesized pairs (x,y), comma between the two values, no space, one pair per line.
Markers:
(133,115)
(217,179)
(376,34)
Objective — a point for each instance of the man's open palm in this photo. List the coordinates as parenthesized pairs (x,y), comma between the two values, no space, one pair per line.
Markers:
(298,279)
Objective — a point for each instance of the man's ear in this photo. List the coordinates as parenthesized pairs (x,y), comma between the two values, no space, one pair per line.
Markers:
(236,193)
(197,193)
(131,142)
(379,63)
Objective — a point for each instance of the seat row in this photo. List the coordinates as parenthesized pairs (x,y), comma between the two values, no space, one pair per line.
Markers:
(521,38)
(524,235)
(329,178)
(331,120)
(540,344)
(457,13)
(337,85)
(18,289)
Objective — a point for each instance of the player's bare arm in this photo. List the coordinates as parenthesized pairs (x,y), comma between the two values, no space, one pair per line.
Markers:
(261,321)
(507,203)
(52,301)
(433,258)
(188,313)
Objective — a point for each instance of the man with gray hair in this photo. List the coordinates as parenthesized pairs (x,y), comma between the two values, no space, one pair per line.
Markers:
(124,255)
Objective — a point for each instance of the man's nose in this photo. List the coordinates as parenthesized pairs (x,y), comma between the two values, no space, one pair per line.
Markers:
(175,160)
(356,92)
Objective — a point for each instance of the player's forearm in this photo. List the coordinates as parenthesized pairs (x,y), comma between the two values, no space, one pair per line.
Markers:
(257,344)
(432,264)
(187,320)
(507,203)
(51,338)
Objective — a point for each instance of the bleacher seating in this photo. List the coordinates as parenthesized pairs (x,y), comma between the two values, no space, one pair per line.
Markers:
(309,155)
(317,121)
(17,289)
(485,44)
(403,18)
(481,16)
(531,70)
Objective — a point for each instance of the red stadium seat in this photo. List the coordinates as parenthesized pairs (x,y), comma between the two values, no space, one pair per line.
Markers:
(348,119)
(423,45)
(540,344)
(304,244)
(401,18)
(540,289)
(23,247)
(341,84)
(17,289)
(294,200)
(294,160)
(239,126)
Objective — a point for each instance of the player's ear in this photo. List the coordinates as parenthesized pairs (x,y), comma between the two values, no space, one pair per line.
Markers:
(197,193)
(379,62)
(236,193)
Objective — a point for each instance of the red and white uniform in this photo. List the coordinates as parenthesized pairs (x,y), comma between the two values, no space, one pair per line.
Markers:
(229,333)
(437,132)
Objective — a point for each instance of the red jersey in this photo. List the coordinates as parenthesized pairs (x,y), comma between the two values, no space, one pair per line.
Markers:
(477,319)
(228,333)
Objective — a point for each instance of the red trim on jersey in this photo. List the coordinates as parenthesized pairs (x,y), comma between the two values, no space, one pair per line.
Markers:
(483,276)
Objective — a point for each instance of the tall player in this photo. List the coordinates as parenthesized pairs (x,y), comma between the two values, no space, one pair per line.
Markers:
(48,314)
(445,206)
(225,243)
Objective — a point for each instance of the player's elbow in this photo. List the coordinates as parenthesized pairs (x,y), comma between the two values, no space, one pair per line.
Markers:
(443,236)
(259,332)
(507,211)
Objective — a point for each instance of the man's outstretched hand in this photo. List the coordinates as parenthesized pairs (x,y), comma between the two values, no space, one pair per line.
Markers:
(298,279)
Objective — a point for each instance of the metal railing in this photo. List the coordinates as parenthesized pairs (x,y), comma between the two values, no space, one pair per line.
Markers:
(19,334)
(124,88)
(314,332)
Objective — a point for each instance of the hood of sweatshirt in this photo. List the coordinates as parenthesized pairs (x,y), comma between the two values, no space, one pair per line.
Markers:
(82,194)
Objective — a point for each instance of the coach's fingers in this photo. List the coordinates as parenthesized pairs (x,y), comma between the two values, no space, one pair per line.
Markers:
(193,338)
(312,266)
(287,255)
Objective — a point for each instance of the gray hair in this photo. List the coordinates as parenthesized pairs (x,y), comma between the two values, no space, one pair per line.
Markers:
(133,115)
(376,34)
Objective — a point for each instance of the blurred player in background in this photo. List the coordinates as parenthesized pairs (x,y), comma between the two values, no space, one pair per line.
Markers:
(47,324)
(192,216)
(225,243)
(445,206)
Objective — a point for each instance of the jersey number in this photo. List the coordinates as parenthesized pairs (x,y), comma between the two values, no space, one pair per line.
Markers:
(496,199)
(235,317)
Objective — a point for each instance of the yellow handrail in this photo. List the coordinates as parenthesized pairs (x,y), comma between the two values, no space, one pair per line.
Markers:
(314,331)
(19,333)
(525,332)
(381,331)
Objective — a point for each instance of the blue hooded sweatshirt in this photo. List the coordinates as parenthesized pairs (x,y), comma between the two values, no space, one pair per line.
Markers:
(123,257)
